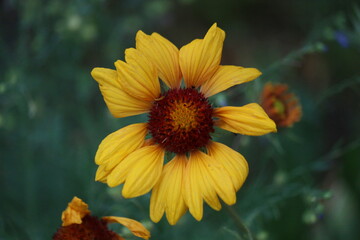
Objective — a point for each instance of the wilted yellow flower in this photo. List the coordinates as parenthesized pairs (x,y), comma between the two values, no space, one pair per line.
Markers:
(79,224)
(180,120)
(281,106)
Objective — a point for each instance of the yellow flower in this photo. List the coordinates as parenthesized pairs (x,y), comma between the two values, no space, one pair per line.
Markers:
(181,121)
(79,224)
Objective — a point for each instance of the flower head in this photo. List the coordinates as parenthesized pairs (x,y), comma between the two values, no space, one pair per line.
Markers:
(180,120)
(281,106)
(79,224)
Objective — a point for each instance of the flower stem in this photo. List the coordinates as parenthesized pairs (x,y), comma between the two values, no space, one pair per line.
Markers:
(244,230)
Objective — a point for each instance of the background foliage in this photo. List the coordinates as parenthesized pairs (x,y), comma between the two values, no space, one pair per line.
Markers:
(303,182)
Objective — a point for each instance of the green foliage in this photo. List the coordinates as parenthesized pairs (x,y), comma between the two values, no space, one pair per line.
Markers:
(303,181)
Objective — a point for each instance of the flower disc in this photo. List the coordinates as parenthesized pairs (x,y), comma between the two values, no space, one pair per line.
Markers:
(181,120)
(90,228)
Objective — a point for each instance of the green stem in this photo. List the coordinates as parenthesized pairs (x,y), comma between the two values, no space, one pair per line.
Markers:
(239,223)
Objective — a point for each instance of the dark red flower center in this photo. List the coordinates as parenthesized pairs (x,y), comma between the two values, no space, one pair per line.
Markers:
(91,228)
(181,120)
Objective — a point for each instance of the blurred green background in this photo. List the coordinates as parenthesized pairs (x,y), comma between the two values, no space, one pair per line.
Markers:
(303,182)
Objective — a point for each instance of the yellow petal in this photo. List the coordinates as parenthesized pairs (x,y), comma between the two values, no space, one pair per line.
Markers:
(163,54)
(192,190)
(167,193)
(205,179)
(221,181)
(116,146)
(134,226)
(102,173)
(200,59)
(250,119)
(119,173)
(146,171)
(118,101)
(135,168)
(138,76)
(234,163)
(226,77)
(75,211)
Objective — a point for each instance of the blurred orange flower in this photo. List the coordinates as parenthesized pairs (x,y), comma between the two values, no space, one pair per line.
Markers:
(79,224)
(281,106)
